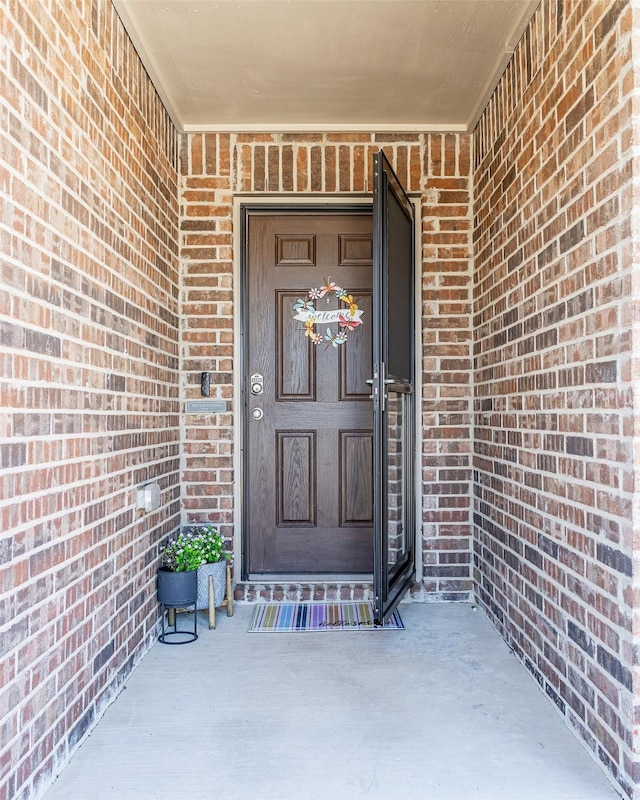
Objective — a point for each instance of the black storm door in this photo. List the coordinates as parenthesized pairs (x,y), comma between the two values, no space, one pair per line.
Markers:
(393,390)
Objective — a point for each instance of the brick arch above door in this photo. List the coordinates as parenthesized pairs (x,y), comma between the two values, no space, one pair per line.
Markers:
(214,168)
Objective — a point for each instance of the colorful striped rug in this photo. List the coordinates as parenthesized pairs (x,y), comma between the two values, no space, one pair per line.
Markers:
(285,617)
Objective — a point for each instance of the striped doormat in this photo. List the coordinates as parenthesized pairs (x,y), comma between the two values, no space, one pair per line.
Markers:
(285,617)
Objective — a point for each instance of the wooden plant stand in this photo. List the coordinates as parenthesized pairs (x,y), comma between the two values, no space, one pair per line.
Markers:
(228,602)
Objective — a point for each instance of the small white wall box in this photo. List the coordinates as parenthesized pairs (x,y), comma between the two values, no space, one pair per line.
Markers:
(149,497)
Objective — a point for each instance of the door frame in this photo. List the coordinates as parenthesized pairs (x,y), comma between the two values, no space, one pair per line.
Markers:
(281,203)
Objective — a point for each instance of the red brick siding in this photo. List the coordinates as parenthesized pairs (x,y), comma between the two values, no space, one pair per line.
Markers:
(553,452)
(89,378)
(213,167)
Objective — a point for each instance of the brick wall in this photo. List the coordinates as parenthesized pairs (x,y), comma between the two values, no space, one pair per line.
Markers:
(554,401)
(88,385)
(214,167)
(91,344)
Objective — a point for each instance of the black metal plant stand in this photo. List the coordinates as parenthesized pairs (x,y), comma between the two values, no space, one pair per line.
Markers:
(177,590)
(184,635)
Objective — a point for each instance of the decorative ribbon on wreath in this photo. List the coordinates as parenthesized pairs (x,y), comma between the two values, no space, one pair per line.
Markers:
(347,319)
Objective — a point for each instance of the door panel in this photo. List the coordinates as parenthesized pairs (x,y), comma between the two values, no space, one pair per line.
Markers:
(295,359)
(356,248)
(308,460)
(356,359)
(296,478)
(295,249)
(393,376)
(356,458)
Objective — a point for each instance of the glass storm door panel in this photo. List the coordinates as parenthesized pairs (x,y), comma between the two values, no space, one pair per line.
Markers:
(393,396)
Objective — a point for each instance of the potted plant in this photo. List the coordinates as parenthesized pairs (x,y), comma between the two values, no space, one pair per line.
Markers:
(178,575)
(213,562)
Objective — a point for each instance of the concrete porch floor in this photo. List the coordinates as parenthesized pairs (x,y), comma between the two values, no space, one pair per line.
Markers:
(439,711)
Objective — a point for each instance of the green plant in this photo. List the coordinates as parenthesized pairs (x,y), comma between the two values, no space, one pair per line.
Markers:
(203,545)
(211,544)
(182,554)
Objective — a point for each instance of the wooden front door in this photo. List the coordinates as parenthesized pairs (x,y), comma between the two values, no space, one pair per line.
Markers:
(308,444)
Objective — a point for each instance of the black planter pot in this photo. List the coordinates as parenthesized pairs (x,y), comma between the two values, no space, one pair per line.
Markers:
(177,589)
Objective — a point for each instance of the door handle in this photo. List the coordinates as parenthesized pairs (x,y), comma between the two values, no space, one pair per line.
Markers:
(257,413)
(369,381)
(379,382)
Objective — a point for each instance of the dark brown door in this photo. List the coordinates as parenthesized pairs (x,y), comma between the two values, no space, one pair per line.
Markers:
(308,444)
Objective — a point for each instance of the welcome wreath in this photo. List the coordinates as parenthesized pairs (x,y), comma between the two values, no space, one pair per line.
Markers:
(347,319)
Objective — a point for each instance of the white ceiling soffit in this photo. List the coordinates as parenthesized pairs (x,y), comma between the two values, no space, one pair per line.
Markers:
(325,65)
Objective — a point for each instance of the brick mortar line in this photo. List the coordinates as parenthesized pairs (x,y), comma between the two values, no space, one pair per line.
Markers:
(141,197)
(95,260)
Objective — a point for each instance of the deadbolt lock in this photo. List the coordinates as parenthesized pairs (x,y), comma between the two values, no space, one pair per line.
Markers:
(257,384)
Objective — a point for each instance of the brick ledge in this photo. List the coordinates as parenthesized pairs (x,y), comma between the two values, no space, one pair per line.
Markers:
(332,591)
